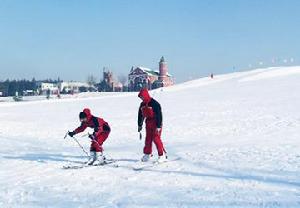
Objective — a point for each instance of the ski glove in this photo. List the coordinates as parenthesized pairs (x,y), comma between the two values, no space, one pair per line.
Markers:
(92,137)
(71,133)
(140,128)
(106,127)
(158,130)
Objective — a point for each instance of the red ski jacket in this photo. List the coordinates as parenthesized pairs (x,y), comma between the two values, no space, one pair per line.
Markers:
(149,109)
(98,124)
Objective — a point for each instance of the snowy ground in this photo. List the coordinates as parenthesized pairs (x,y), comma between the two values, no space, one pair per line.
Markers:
(62,96)
(237,136)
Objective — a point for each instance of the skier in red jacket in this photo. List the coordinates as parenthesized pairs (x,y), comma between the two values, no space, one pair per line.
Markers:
(101,132)
(150,110)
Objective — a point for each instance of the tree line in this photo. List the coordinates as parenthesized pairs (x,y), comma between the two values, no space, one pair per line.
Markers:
(10,87)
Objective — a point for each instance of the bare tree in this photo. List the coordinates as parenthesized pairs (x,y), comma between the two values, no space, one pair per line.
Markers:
(91,80)
(123,79)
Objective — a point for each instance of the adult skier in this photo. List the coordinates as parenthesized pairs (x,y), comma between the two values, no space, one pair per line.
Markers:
(150,110)
(100,134)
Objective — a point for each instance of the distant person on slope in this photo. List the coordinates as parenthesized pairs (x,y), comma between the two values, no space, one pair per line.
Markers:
(150,110)
(101,132)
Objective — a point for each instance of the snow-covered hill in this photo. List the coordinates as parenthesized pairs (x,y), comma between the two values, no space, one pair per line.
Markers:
(238,137)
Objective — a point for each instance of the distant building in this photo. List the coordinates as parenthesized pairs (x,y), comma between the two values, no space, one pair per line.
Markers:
(45,87)
(28,93)
(140,77)
(108,83)
(73,87)
(118,87)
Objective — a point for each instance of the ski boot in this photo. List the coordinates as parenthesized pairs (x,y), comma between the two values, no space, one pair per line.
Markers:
(96,158)
(92,158)
(146,157)
(100,159)
(163,158)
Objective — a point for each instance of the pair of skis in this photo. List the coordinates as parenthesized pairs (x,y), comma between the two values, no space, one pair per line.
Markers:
(138,166)
(85,165)
(151,164)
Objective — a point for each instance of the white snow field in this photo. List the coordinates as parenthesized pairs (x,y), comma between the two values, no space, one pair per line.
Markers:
(237,136)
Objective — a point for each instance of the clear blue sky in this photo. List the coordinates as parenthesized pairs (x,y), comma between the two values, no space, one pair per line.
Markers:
(71,39)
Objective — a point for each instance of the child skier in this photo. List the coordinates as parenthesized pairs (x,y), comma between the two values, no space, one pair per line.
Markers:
(150,110)
(101,132)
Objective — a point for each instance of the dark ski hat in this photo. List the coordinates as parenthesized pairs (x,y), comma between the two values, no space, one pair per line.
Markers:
(82,115)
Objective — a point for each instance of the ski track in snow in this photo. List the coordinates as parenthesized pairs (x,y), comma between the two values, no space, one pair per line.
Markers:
(237,136)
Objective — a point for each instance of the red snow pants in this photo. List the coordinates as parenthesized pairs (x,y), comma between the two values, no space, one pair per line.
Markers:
(96,145)
(153,136)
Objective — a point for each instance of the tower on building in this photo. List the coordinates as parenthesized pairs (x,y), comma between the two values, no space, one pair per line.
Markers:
(163,70)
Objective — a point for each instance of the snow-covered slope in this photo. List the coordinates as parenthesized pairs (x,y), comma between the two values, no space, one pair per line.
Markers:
(238,137)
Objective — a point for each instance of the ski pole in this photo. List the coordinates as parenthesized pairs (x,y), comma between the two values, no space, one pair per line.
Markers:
(141,135)
(66,135)
(87,154)
(78,144)
(85,135)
